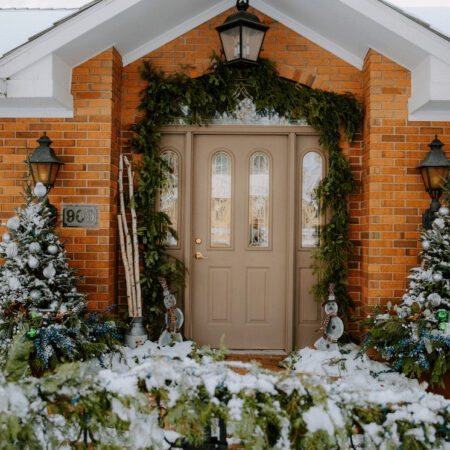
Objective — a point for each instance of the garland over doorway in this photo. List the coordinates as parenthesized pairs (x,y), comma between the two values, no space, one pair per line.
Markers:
(171,98)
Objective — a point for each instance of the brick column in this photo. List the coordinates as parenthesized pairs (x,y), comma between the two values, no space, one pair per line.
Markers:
(393,194)
(89,146)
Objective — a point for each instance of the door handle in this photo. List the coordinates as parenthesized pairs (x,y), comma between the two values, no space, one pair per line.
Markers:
(199,255)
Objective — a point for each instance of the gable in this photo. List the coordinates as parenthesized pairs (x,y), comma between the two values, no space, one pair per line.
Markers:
(38,73)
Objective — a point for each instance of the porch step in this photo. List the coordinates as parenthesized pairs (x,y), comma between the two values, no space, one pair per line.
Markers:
(266,361)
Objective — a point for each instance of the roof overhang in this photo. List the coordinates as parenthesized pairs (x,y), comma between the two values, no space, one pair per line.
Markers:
(35,78)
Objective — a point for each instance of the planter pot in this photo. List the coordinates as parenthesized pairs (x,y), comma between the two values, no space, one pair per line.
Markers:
(436,389)
(136,334)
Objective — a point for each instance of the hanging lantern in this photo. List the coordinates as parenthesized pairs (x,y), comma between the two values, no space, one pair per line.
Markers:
(43,163)
(242,35)
(434,169)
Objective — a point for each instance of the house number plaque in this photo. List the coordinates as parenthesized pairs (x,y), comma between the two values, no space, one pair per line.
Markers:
(80,216)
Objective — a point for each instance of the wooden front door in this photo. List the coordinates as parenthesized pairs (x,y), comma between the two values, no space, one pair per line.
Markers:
(239,240)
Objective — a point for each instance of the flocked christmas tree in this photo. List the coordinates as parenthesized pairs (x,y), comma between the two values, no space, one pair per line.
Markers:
(42,319)
(415,335)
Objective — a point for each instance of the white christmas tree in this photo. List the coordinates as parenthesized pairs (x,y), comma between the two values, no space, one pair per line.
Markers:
(415,335)
(39,301)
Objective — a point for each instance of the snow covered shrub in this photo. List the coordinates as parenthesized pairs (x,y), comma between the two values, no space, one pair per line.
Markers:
(42,319)
(415,335)
(164,398)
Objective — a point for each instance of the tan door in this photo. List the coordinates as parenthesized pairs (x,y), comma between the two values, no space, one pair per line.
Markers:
(239,245)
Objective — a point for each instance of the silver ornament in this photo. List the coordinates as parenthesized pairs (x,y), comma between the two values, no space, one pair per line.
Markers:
(443,210)
(35,294)
(437,277)
(13,223)
(40,190)
(49,271)
(14,283)
(34,247)
(52,249)
(33,262)
(6,237)
(435,299)
(425,245)
(12,250)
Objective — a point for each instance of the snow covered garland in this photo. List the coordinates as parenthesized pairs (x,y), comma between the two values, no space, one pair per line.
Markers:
(41,310)
(415,335)
(153,398)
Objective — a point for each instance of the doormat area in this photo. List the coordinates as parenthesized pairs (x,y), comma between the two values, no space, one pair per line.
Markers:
(269,362)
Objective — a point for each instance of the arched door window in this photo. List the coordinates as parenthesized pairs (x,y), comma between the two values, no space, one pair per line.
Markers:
(259,200)
(221,200)
(312,169)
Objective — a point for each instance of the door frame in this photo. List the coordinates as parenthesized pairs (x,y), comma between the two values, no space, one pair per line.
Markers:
(187,170)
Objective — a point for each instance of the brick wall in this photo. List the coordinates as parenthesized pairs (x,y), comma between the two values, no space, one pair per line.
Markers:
(393,193)
(88,144)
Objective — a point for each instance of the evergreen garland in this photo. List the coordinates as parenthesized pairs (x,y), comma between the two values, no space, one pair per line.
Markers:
(170,98)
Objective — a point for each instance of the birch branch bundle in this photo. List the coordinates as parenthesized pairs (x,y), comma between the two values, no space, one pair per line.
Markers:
(129,244)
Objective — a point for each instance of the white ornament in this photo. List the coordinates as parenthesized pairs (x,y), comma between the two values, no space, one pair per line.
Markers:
(437,277)
(443,210)
(33,262)
(14,283)
(13,223)
(40,190)
(49,271)
(425,245)
(52,249)
(34,247)
(12,250)
(6,237)
(35,294)
(434,299)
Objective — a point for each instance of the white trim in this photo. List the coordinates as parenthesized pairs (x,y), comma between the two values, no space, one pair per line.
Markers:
(402,26)
(312,35)
(177,31)
(62,34)
(429,116)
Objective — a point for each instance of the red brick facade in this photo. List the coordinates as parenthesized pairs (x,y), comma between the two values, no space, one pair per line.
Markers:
(386,214)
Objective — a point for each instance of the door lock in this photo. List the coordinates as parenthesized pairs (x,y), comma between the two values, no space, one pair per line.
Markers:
(199,255)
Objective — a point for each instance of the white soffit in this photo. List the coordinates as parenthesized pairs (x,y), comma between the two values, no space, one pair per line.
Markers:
(346,28)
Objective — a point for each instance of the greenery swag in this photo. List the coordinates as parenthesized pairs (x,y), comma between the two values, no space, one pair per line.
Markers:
(168,98)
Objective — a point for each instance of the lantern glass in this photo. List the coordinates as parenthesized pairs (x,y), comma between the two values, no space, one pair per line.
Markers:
(231,42)
(432,177)
(252,41)
(41,172)
(436,175)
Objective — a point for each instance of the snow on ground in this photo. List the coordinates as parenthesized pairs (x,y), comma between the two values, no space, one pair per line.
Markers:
(376,381)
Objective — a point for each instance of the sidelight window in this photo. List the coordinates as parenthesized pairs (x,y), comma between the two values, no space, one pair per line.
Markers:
(168,201)
(312,168)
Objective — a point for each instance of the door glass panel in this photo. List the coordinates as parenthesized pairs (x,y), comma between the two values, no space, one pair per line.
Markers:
(311,176)
(168,201)
(259,200)
(221,200)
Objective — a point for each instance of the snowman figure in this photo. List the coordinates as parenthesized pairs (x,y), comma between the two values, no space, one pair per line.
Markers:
(174,318)
(332,326)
